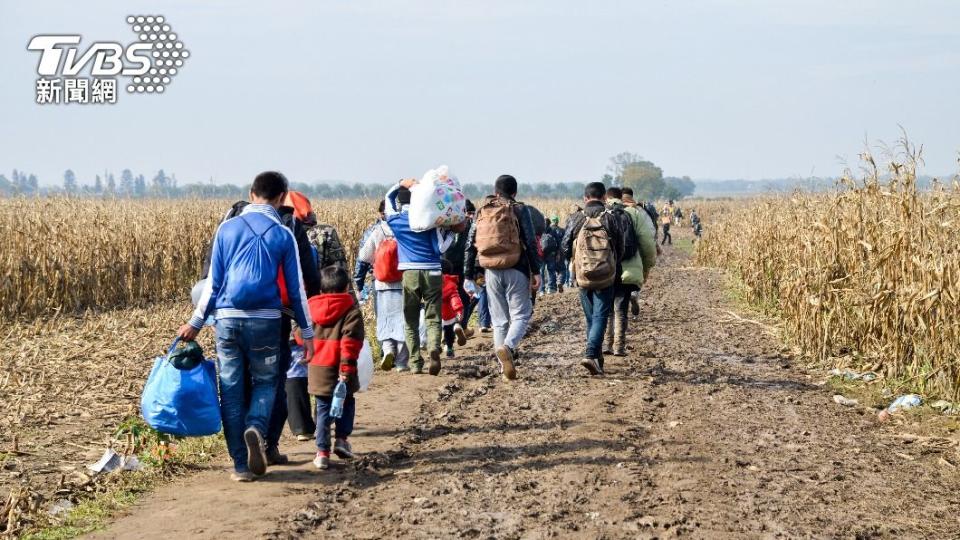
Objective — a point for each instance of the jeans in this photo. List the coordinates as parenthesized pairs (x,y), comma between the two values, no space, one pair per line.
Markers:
(278,416)
(596,308)
(511,307)
(548,274)
(483,308)
(344,424)
(422,287)
(247,349)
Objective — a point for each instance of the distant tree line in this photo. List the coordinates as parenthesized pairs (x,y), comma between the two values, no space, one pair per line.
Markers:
(626,169)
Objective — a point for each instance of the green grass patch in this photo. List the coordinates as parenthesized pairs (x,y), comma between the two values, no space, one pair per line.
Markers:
(162,458)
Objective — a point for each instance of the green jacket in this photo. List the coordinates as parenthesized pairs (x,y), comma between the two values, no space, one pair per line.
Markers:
(635,270)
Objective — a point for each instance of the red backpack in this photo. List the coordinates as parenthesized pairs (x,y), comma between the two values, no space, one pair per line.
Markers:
(385,261)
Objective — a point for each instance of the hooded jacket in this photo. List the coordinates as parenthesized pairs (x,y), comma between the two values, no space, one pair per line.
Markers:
(636,269)
(339,334)
(452,305)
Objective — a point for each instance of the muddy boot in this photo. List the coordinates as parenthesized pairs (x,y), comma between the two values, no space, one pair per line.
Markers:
(506,358)
(634,305)
(434,363)
(416,367)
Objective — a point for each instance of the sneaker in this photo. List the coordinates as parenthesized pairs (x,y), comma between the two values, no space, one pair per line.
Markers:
(417,368)
(342,448)
(245,476)
(386,364)
(322,460)
(505,357)
(608,350)
(485,329)
(450,353)
(435,363)
(401,369)
(469,332)
(591,365)
(461,335)
(274,457)
(634,306)
(304,438)
(560,288)
(256,457)
(620,351)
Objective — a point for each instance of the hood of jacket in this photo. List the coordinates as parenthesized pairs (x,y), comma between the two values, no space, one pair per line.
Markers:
(328,308)
(614,203)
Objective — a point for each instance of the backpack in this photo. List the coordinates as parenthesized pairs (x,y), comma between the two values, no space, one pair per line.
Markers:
(630,242)
(330,250)
(498,234)
(594,261)
(386,261)
(549,244)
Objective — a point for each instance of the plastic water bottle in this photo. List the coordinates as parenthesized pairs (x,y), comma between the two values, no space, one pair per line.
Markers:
(339,395)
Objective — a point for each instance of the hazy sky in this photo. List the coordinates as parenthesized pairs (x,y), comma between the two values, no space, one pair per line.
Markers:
(546,90)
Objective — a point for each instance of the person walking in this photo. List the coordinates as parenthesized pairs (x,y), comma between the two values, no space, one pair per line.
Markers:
(380,253)
(551,275)
(455,257)
(503,241)
(637,263)
(594,243)
(419,255)
(666,218)
(243,292)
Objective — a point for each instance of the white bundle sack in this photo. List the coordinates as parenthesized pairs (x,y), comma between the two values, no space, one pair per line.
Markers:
(437,200)
(365,366)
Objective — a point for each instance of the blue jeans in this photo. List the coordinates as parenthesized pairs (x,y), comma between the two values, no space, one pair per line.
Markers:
(247,350)
(596,308)
(548,274)
(344,424)
(278,416)
(483,308)
(563,268)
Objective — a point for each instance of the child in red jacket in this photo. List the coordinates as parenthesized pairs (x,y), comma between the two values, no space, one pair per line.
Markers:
(451,309)
(338,327)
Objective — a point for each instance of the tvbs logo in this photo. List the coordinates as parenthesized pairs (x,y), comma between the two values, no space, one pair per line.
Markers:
(147,65)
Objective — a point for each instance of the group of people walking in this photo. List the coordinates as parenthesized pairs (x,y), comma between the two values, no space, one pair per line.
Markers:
(288,318)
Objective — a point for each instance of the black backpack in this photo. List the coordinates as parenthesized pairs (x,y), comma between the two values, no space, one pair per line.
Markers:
(549,244)
(630,243)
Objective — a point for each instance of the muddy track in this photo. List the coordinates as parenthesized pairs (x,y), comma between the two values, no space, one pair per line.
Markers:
(708,429)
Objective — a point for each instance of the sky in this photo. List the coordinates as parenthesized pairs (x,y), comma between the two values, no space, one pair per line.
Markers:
(546,90)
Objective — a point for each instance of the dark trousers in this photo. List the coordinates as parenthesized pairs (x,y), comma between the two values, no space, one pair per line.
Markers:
(666,235)
(448,336)
(344,424)
(299,411)
(278,415)
(596,308)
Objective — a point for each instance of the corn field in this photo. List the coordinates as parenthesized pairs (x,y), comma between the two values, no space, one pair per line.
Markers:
(867,276)
(62,255)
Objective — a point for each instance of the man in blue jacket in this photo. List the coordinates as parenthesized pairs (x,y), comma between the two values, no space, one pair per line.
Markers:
(419,256)
(249,252)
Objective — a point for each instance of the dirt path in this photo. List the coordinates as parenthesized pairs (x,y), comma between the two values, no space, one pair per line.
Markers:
(706,430)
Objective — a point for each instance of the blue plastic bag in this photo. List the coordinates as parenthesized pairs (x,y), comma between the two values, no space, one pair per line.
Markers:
(181,402)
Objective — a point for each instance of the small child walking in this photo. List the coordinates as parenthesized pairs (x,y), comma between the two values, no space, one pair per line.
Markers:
(451,310)
(299,412)
(338,327)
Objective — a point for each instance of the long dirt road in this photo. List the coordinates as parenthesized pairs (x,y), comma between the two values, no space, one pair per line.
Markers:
(709,429)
